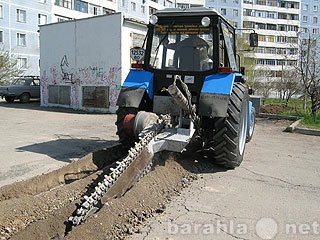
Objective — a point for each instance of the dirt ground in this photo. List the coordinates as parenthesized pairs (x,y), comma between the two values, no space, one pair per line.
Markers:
(39,207)
(41,214)
(274,108)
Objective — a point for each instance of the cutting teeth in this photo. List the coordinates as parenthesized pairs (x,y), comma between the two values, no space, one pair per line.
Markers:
(90,203)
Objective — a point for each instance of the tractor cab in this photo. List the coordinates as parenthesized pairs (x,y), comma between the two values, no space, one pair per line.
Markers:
(190,41)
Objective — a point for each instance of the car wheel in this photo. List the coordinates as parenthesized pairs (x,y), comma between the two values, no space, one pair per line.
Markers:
(24,98)
(9,99)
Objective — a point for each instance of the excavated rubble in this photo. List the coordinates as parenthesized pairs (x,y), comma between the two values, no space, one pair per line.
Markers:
(39,207)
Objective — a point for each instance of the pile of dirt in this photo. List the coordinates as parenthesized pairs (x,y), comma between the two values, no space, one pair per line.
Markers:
(275,109)
(42,215)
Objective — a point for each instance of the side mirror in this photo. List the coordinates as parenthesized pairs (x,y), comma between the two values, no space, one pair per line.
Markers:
(243,70)
(253,39)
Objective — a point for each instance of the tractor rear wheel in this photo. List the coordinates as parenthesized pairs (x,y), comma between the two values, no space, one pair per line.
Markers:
(126,139)
(228,142)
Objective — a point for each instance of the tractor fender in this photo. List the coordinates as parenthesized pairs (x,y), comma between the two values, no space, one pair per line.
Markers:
(215,94)
(135,86)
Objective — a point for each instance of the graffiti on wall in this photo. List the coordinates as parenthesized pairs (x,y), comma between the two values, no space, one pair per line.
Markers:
(93,75)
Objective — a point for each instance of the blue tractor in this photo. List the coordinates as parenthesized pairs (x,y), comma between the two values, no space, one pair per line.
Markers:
(188,68)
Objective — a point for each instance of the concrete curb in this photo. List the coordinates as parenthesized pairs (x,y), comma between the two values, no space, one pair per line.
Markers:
(307,131)
(293,128)
(277,117)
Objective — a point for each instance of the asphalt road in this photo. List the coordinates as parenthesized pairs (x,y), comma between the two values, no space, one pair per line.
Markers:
(274,194)
(36,140)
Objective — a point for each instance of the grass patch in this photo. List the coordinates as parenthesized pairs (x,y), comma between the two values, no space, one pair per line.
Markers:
(308,122)
(293,108)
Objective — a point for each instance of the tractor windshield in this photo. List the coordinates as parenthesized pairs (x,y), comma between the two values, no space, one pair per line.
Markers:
(182,47)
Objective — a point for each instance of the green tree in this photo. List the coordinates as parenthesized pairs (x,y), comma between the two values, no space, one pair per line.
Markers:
(247,59)
(264,82)
(9,67)
(289,84)
(309,71)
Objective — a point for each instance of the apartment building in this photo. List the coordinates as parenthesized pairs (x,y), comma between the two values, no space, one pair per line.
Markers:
(277,22)
(230,9)
(310,21)
(19,34)
(20,20)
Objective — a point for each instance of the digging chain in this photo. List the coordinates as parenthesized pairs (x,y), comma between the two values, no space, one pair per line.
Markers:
(90,203)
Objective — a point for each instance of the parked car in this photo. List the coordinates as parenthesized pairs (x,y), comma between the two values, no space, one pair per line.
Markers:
(22,88)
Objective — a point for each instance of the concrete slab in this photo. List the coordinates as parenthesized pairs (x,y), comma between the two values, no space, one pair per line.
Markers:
(36,140)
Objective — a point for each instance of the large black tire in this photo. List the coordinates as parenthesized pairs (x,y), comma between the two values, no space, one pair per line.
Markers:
(9,99)
(24,97)
(126,140)
(229,138)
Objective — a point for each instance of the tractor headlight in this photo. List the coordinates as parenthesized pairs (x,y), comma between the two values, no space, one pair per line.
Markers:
(153,19)
(205,21)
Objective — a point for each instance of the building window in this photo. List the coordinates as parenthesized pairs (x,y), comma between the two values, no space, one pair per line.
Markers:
(1,11)
(292,51)
(271,14)
(81,6)
(42,19)
(42,1)
(223,11)
(143,9)
(1,36)
(152,10)
(95,10)
(261,38)
(22,63)
(133,6)
(235,24)
(21,39)
(305,18)
(21,15)
(281,39)
(272,3)
(315,8)
(235,12)
(236,1)
(64,3)
(260,61)
(315,20)
(305,7)
(270,62)
(271,50)
(269,38)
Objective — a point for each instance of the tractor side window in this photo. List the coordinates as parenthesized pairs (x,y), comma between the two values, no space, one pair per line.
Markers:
(227,51)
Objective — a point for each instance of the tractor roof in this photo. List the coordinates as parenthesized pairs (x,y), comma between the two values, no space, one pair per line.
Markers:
(193,11)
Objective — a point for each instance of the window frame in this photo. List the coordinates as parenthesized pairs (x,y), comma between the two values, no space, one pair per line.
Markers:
(22,62)
(19,14)
(21,36)
(1,12)
(39,19)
